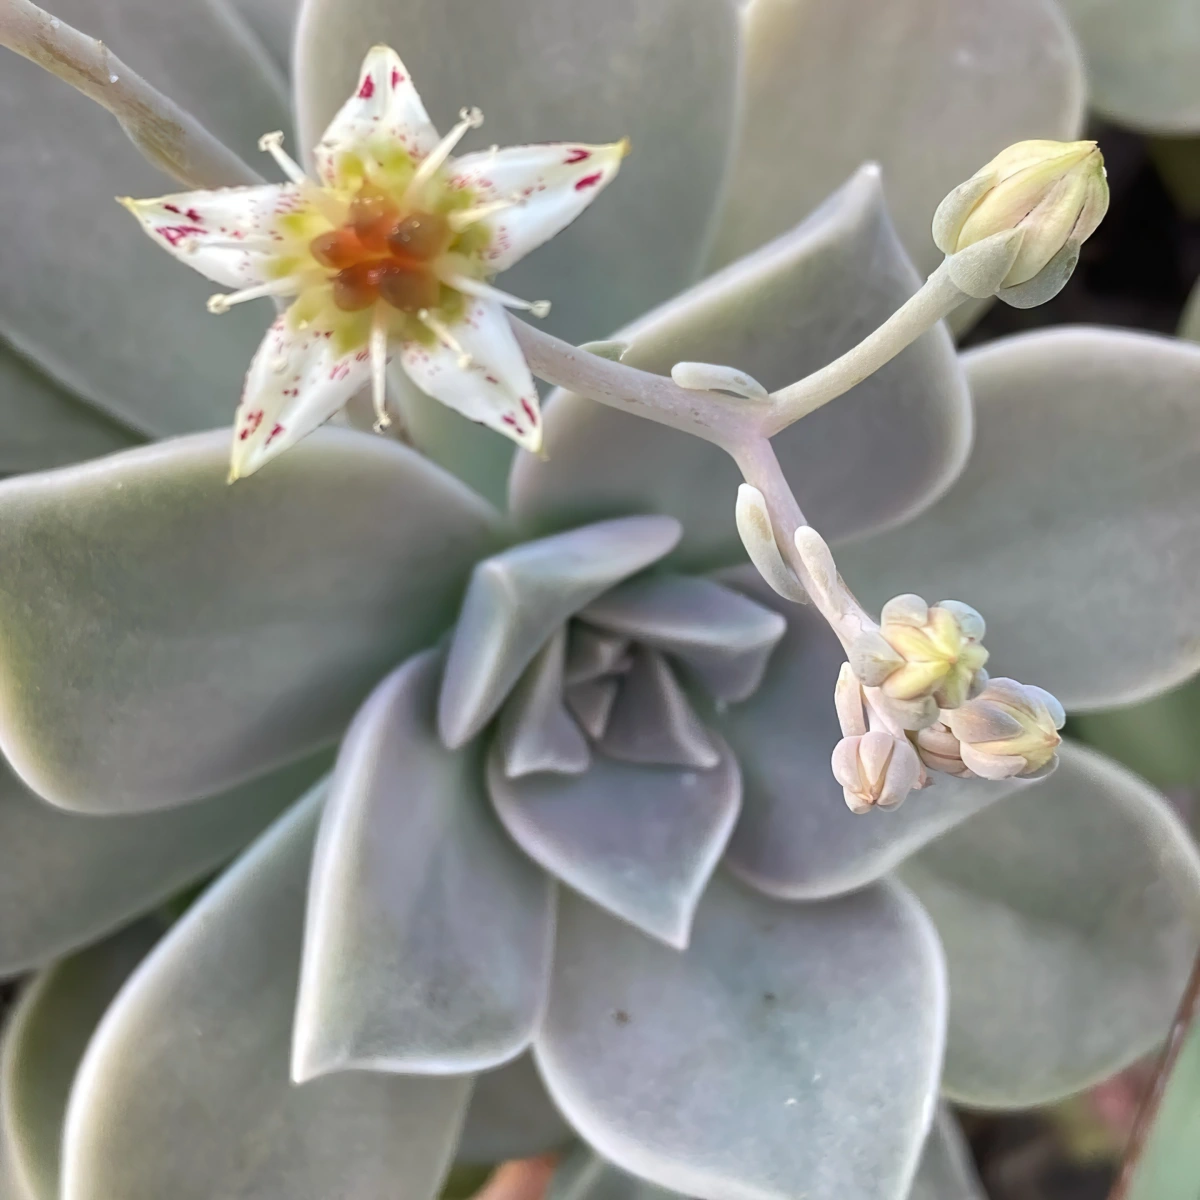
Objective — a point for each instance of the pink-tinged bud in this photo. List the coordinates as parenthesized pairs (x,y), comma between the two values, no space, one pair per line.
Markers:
(876,770)
(1053,194)
(940,751)
(1009,729)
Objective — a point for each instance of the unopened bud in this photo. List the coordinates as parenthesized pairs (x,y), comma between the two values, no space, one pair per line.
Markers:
(938,650)
(876,770)
(939,750)
(1009,729)
(1053,194)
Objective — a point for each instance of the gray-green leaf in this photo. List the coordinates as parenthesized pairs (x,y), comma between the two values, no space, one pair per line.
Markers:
(791,1050)
(429,934)
(1073,526)
(68,878)
(184,1091)
(1070,913)
(43,1043)
(201,634)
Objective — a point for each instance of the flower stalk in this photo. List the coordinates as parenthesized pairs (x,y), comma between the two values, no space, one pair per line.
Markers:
(170,138)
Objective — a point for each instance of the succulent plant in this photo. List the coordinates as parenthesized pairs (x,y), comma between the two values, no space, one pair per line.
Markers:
(583,868)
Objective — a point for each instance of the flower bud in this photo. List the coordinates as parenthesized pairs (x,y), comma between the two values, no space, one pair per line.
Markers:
(875,770)
(1053,194)
(940,751)
(938,649)
(1009,729)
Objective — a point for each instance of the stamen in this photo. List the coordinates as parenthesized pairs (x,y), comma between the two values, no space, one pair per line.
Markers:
(193,244)
(379,333)
(442,332)
(485,291)
(223,301)
(272,144)
(470,118)
(464,218)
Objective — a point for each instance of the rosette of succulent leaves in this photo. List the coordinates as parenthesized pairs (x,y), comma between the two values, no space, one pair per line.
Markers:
(644,785)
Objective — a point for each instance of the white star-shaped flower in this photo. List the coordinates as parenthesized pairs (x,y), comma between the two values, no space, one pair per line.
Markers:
(390,249)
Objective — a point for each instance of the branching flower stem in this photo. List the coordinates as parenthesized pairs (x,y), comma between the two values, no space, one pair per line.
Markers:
(743,428)
(172,139)
(937,298)
(177,143)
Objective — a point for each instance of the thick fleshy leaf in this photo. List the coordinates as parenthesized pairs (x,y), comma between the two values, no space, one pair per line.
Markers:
(494,388)
(45,426)
(428,941)
(184,1091)
(653,722)
(271,22)
(661,72)
(1143,59)
(536,732)
(1070,915)
(202,634)
(1156,738)
(1073,526)
(946,1171)
(510,1116)
(864,462)
(640,841)
(518,598)
(723,638)
(584,1175)
(796,838)
(108,315)
(792,1050)
(68,878)
(827,89)
(45,1039)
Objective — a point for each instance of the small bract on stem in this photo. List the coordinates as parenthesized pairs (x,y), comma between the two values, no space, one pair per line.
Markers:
(394,244)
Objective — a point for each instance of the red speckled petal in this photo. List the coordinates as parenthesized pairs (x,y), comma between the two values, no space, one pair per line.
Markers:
(296,382)
(553,184)
(229,235)
(385,105)
(495,388)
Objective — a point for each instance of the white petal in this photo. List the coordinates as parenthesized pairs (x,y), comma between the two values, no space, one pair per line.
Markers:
(296,382)
(553,184)
(385,105)
(228,235)
(495,388)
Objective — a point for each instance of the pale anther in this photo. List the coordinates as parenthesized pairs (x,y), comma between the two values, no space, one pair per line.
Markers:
(442,332)
(379,358)
(470,118)
(485,291)
(466,217)
(272,144)
(223,301)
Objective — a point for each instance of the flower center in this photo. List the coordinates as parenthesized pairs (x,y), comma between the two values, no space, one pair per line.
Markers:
(383,253)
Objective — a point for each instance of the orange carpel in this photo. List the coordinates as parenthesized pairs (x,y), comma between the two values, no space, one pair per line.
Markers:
(381,253)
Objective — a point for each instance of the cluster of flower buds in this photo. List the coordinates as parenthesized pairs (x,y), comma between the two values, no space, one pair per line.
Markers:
(1014,229)
(914,698)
